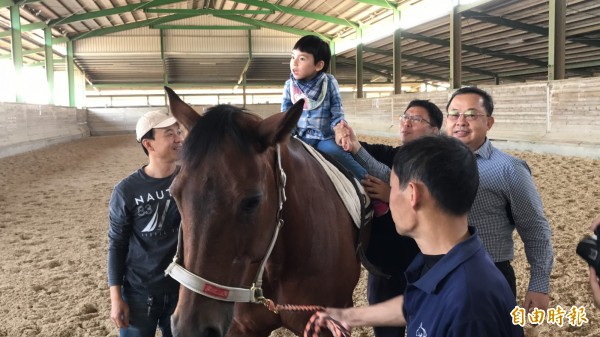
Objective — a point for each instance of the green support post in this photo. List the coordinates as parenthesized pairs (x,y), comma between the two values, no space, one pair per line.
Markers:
(397,56)
(49,60)
(556,39)
(17,49)
(332,62)
(455,48)
(71,73)
(164,63)
(359,64)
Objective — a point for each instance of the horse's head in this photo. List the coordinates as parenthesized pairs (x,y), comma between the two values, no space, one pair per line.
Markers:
(227,195)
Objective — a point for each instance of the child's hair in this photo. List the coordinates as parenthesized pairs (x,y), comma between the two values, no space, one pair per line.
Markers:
(318,48)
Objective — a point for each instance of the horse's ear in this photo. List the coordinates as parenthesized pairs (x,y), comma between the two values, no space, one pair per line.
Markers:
(185,115)
(277,127)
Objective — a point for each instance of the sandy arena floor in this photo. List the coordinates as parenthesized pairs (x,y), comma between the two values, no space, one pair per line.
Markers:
(53,225)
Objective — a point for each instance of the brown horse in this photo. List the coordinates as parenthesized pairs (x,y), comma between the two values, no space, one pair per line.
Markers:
(229,192)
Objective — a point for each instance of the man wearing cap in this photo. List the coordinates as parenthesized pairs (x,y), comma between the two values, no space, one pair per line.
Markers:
(142,236)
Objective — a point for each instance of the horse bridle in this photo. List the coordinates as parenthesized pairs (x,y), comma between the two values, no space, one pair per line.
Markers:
(210,289)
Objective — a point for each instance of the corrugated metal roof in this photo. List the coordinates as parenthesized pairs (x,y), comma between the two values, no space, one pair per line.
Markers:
(490,31)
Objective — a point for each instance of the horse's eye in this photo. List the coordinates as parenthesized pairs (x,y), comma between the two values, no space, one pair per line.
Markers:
(249,205)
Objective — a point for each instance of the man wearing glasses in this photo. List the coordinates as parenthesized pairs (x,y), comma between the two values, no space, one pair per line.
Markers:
(390,252)
(506,199)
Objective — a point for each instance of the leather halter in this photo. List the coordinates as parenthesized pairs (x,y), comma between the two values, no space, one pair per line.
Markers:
(207,288)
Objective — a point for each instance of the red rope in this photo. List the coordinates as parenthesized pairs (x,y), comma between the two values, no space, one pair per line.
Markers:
(312,329)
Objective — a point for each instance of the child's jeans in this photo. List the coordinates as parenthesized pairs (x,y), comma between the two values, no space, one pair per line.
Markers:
(345,158)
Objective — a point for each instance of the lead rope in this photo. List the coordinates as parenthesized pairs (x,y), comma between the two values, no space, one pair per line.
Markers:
(312,329)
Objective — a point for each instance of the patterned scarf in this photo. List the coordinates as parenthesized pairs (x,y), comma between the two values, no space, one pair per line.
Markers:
(313,91)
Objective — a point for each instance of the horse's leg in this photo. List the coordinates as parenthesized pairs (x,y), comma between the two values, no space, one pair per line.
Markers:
(253,320)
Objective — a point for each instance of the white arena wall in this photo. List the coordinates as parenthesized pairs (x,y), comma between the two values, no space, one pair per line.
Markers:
(26,127)
(561,117)
(110,121)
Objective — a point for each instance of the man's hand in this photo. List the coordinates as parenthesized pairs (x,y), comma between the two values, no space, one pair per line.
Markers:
(376,188)
(536,300)
(333,313)
(119,313)
(346,138)
(119,309)
(341,132)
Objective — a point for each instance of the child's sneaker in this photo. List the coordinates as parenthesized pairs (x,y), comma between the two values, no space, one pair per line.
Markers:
(379,207)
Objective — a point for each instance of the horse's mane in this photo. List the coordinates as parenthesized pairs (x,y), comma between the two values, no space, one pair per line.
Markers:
(219,123)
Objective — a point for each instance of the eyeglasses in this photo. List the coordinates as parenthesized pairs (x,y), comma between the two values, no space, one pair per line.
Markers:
(470,115)
(414,119)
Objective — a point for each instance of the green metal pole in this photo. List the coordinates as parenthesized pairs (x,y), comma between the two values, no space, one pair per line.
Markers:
(556,39)
(246,69)
(455,48)
(397,55)
(244,90)
(49,63)
(17,49)
(71,73)
(332,68)
(164,63)
(162,57)
(359,64)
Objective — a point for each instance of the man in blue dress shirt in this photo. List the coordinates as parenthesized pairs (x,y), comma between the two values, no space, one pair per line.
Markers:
(507,198)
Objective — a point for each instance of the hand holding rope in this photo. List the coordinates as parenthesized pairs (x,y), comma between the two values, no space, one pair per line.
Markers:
(313,326)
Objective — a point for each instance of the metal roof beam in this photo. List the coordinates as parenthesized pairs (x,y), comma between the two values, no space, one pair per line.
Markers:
(26,28)
(273,26)
(376,70)
(59,40)
(300,12)
(582,31)
(205,11)
(8,3)
(380,3)
(523,26)
(379,68)
(43,63)
(160,85)
(128,26)
(570,67)
(474,49)
(110,11)
(428,61)
(204,27)
(462,8)
(505,22)
(34,51)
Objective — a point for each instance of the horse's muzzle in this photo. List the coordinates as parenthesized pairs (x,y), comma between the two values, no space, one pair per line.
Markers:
(203,320)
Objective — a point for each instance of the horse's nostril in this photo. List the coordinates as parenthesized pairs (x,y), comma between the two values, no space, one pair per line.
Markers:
(211,332)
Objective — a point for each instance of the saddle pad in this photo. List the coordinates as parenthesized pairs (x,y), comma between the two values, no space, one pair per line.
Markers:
(345,188)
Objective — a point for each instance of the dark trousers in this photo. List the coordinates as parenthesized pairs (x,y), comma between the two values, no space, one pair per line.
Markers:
(147,312)
(509,273)
(380,289)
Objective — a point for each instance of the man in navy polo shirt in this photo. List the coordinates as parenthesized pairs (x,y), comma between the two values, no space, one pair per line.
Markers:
(454,288)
